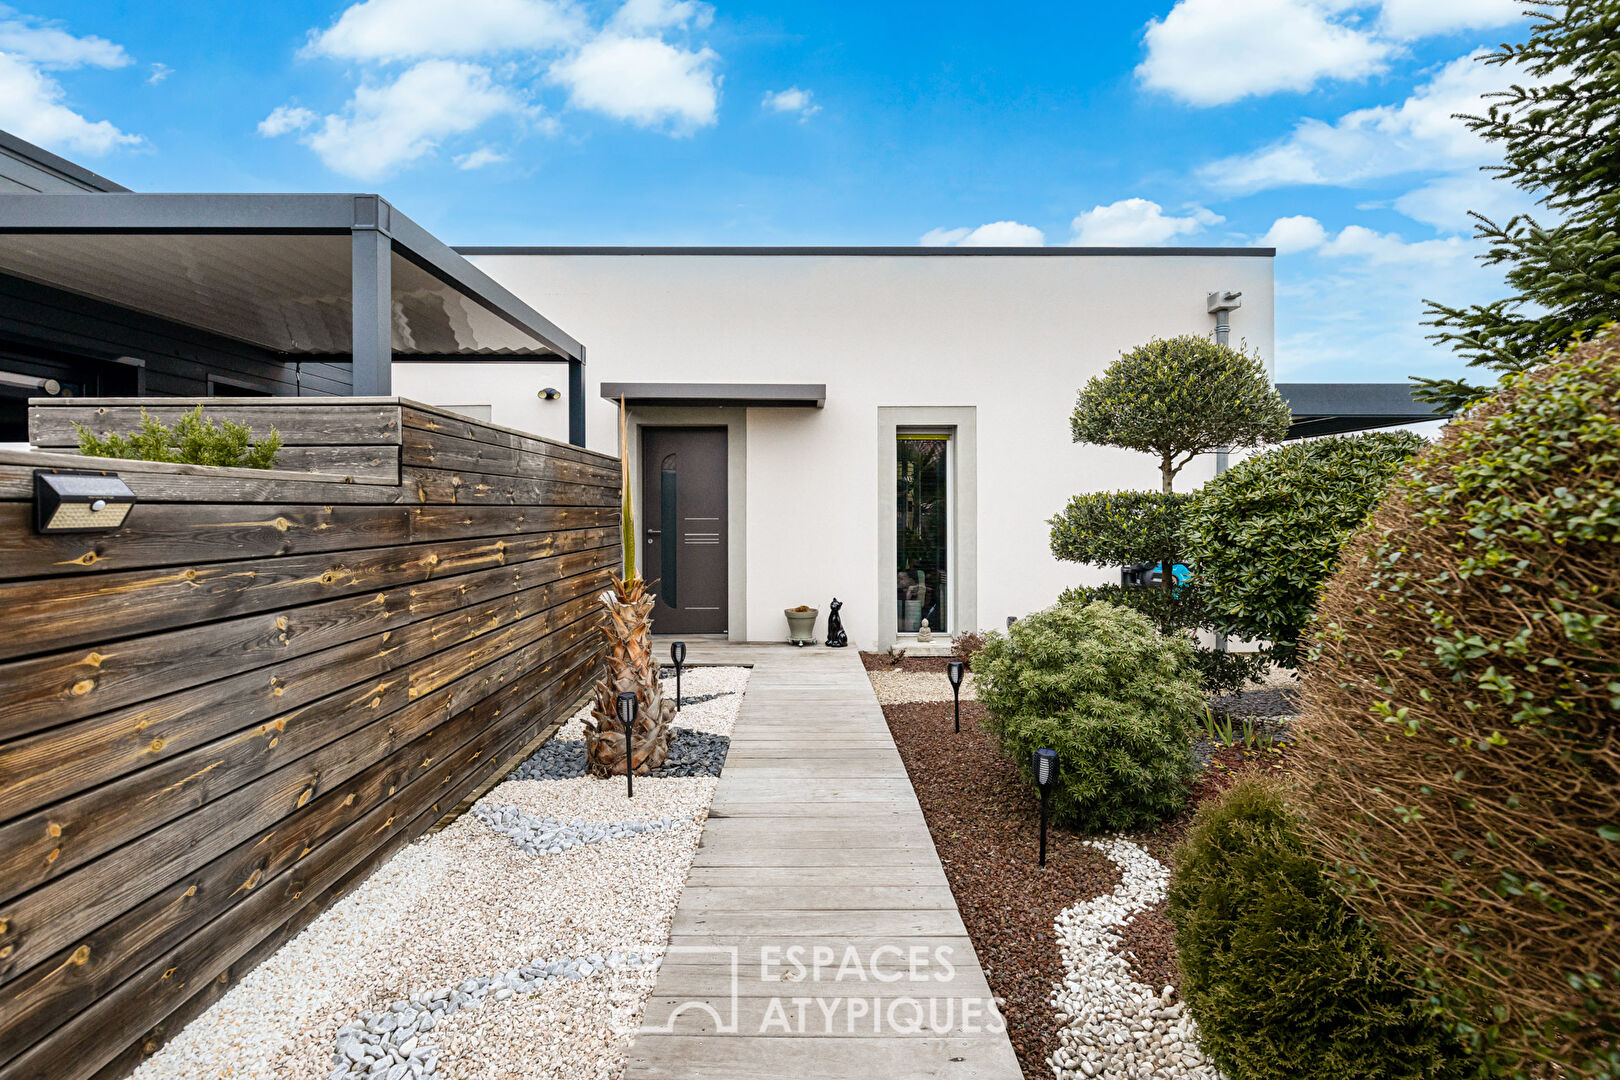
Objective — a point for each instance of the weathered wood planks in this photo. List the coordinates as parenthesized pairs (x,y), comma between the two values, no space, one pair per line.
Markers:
(216,720)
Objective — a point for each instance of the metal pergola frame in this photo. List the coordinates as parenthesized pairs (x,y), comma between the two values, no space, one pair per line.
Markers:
(376,230)
(1339,408)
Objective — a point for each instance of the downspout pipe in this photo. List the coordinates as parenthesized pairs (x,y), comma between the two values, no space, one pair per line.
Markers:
(1221,303)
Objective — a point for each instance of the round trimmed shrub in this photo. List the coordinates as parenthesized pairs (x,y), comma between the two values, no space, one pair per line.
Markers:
(1116,700)
(1284,979)
(1459,726)
(1264,536)
(1179,612)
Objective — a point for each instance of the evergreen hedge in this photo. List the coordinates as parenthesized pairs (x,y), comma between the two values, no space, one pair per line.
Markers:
(1284,979)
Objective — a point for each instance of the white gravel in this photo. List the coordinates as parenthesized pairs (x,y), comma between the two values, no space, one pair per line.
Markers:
(468,903)
(1114,1026)
(901,687)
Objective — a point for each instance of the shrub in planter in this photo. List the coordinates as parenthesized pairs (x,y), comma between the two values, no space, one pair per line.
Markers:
(1116,700)
(1459,716)
(1284,979)
(192,440)
(1265,535)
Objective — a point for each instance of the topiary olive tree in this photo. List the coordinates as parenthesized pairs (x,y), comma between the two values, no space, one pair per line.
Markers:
(1284,979)
(1176,398)
(1265,535)
(1116,700)
(1459,738)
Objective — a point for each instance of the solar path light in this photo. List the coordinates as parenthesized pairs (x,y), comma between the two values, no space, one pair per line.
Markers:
(1045,765)
(627,715)
(953,671)
(677,653)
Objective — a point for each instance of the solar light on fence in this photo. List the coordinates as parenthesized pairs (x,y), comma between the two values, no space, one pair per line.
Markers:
(68,500)
(1045,765)
(677,653)
(953,672)
(627,706)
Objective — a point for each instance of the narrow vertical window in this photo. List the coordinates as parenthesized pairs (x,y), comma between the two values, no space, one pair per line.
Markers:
(922,531)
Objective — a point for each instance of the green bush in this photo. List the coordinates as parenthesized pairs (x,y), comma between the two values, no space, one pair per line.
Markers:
(192,441)
(1284,979)
(1459,717)
(1116,528)
(1116,700)
(1179,613)
(1264,536)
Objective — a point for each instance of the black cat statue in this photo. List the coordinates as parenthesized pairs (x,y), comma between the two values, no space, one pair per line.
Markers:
(836,638)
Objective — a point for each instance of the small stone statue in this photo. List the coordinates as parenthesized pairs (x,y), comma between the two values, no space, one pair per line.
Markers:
(836,638)
(924,634)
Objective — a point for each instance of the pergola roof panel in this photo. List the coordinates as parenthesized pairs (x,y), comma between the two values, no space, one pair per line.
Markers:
(271,270)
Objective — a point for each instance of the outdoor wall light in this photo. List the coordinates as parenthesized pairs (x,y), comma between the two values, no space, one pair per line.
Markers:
(627,705)
(1045,766)
(953,672)
(66,501)
(550,393)
(677,653)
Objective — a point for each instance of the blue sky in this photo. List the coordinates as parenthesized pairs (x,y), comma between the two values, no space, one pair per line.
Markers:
(1320,126)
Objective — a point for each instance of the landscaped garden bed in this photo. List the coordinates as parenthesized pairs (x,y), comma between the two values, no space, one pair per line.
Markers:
(984,819)
(520,941)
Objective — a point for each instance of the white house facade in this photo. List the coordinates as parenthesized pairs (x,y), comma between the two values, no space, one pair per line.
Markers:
(885,426)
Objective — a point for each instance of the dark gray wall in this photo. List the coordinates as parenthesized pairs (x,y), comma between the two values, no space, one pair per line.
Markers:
(55,334)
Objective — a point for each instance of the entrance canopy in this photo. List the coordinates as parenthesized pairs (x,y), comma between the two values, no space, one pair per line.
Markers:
(720,395)
(336,276)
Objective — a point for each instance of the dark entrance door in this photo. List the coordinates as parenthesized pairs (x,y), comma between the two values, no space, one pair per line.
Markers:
(683,505)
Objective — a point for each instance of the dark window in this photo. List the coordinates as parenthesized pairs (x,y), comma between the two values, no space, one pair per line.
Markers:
(922,530)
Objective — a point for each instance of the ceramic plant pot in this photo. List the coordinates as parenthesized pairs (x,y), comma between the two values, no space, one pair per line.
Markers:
(801,626)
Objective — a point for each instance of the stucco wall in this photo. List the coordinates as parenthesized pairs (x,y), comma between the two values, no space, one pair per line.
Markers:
(1012,336)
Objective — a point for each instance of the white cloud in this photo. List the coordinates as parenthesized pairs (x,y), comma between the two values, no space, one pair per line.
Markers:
(1211,52)
(642,15)
(31,107)
(385,30)
(995,234)
(791,100)
(1420,133)
(160,71)
(52,47)
(643,80)
(1445,201)
(1136,223)
(1379,249)
(477,159)
(1422,18)
(1290,235)
(389,125)
(285,118)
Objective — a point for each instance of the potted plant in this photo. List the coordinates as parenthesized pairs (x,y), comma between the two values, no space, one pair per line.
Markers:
(801,625)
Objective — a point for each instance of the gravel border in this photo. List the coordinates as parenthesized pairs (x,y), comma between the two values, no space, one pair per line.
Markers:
(482,896)
(1110,1025)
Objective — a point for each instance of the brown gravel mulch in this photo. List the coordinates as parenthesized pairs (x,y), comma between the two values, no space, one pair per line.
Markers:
(985,821)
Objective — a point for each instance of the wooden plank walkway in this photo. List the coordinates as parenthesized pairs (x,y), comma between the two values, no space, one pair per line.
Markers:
(817,936)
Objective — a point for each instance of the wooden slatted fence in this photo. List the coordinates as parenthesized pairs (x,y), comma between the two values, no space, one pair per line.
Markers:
(217,719)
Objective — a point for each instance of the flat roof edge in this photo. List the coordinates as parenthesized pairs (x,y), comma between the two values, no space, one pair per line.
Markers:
(908,251)
(42,158)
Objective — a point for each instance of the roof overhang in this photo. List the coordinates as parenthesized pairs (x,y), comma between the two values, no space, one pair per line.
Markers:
(720,395)
(1339,408)
(277,271)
